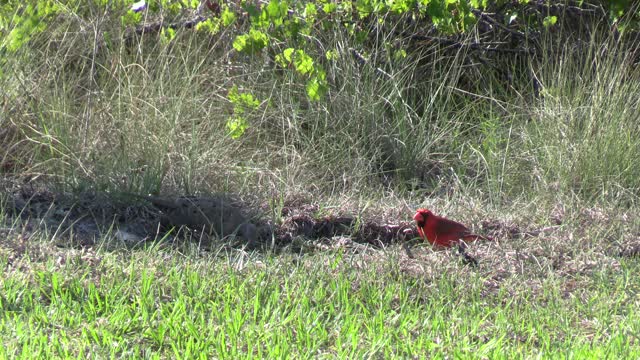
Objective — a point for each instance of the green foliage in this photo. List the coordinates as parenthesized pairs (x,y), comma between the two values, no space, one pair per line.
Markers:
(211,25)
(316,87)
(402,6)
(243,103)
(131,18)
(251,43)
(236,126)
(331,54)
(26,20)
(228,17)
(310,12)
(167,34)
(301,61)
(277,11)
(279,23)
(304,65)
(549,21)
(19,21)
(329,8)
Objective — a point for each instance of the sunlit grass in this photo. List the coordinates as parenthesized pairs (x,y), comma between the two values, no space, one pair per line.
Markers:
(59,302)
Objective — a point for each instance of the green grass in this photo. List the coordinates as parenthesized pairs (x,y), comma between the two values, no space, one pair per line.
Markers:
(566,293)
(165,303)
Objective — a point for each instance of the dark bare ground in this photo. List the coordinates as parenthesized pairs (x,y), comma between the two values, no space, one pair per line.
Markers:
(81,219)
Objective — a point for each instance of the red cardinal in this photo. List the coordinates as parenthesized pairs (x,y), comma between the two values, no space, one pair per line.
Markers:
(442,232)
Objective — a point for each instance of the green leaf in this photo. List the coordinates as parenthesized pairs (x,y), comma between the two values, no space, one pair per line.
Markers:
(331,54)
(240,42)
(329,8)
(252,9)
(277,11)
(549,21)
(321,75)
(303,62)
(174,8)
(131,18)
(284,59)
(288,54)
(247,100)
(237,126)
(262,21)
(228,17)
(242,101)
(400,54)
(316,88)
(167,34)
(364,8)
(293,27)
(310,11)
(30,21)
(402,6)
(211,25)
(251,43)
(233,95)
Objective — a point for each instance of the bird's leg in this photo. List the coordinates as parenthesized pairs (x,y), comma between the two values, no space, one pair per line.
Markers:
(468,259)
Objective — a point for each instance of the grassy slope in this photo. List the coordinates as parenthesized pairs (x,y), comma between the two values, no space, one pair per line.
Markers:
(485,151)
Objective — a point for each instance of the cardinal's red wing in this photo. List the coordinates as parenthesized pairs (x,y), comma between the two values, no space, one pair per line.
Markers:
(450,227)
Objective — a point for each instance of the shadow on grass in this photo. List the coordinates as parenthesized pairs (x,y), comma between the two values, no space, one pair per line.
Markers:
(83,220)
